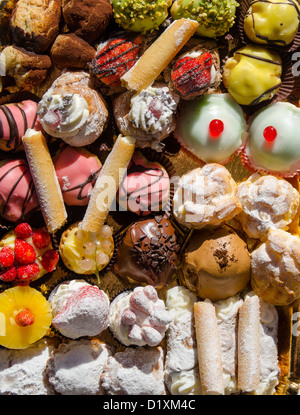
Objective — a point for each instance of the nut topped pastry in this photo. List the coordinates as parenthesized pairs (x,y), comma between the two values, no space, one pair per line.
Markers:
(268,202)
(206,197)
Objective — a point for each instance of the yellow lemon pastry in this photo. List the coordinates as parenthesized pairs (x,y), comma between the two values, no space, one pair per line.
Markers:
(272,22)
(86,252)
(25,317)
(253,74)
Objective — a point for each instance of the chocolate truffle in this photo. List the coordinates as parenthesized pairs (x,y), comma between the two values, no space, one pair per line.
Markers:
(88,19)
(150,250)
(216,265)
(70,51)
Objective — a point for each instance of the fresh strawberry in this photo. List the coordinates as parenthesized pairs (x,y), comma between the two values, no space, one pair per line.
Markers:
(50,260)
(41,238)
(7,257)
(23,230)
(24,252)
(116,57)
(8,275)
(24,318)
(28,272)
(191,75)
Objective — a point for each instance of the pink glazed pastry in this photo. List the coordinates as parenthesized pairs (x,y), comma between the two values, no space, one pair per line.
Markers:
(146,186)
(15,119)
(76,170)
(18,198)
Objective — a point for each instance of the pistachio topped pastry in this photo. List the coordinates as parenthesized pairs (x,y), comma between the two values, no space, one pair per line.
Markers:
(272,22)
(253,74)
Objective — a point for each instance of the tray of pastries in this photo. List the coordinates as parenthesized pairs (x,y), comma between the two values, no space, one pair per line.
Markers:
(149,197)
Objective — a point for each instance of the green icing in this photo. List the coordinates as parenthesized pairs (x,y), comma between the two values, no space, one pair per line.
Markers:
(140,15)
(215,17)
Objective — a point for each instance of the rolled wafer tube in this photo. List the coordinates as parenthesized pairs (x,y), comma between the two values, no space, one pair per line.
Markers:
(249,344)
(107,184)
(159,55)
(45,180)
(209,348)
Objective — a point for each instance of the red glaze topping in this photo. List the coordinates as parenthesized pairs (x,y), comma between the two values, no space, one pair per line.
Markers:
(270,133)
(115,59)
(216,127)
(191,75)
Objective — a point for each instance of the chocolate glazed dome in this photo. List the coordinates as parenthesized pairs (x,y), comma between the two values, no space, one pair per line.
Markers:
(148,253)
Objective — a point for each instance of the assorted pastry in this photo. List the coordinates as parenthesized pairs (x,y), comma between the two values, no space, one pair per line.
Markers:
(135,259)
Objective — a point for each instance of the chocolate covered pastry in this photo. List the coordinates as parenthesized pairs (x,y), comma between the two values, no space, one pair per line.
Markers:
(151,251)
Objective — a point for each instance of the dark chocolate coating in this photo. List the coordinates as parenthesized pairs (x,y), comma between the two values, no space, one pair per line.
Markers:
(148,253)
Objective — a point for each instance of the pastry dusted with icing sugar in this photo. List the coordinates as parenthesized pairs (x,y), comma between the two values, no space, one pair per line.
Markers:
(275,266)
(74,368)
(213,127)
(206,197)
(23,372)
(227,320)
(181,370)
(272,144)
(148,116)
(139,317)
(135,371)
(73,110)
(79,309)
(268,203)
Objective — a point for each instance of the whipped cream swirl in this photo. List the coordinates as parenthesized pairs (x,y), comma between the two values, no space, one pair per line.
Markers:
(152,109)
(63,116)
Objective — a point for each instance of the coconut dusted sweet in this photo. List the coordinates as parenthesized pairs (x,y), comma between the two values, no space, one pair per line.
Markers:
(88,19)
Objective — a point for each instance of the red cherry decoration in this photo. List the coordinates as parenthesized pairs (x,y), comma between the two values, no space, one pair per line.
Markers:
(216,127)
(270,133)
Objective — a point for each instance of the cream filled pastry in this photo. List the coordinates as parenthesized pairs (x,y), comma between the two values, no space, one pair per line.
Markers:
(206,197)
(181,358)
(79,309)
(18,198)
(272,144)
(149,116)
(139,317)
(77,170)
(15,118)
(146,186)
(213,127)
(73,110)
(268,202)
(272,22)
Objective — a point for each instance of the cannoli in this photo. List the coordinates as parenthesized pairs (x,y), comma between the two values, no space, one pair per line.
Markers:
(159,55)
(209,348)
(45,180)
(249,344)
(73,110)
(181,366)
(107,184)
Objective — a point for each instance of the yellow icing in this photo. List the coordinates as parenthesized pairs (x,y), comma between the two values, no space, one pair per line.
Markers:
(272,22)
(247,77)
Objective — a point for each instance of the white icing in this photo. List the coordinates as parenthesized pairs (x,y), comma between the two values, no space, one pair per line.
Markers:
(180,302)
(185,383)
(152,109)
(63,116)
(149,325)
(60,296)
(193,127)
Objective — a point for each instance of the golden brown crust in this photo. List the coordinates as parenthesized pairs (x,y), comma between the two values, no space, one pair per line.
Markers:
(27,68)
(35,24)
